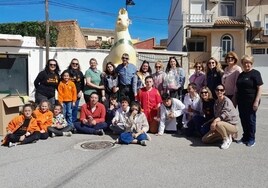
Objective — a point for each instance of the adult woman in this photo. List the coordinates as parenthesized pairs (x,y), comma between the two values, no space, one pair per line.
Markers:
(145,70)
(175,78)
(110,82)
(78,78)
(93,80)
(230,74)
(200,123)
(213,75)
(136,127)
(225,120)
(248,96)
(46,82)
(159,77)
(199,77)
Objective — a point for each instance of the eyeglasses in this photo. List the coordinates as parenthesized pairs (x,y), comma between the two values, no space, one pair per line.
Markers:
(221,90)
(211,62)
(52,65)
(230,58)
(126,58)
(203,92)
(74,63)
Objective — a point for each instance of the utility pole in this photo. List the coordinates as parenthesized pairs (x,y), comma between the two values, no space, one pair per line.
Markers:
(47,31)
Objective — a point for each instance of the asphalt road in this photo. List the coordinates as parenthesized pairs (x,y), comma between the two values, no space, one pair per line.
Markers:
(167,161)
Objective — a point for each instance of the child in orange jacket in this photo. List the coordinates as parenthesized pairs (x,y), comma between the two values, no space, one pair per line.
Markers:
(22,129)
(67,96)
(44,118)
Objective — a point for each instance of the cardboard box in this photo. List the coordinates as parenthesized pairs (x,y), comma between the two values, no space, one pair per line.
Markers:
(9,108)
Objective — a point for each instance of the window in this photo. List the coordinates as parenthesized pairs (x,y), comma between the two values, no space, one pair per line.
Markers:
(227,8)
(196,44)
(266,25)
(14,74)
(258,50)
(226,45)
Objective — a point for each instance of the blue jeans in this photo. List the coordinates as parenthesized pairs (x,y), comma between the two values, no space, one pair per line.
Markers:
(248,120)
(75,110)
(127,138)
(39,98)
(67,112)
(89,129)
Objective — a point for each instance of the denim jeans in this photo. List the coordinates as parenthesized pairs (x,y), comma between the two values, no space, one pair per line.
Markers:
(67,112)
(127,138)
(89,129)
(75,110)
(39,98)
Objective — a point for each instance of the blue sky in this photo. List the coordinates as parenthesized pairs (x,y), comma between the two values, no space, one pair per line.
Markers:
(149,17)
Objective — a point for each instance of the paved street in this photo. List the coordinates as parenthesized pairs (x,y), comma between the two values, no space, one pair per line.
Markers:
(167,161)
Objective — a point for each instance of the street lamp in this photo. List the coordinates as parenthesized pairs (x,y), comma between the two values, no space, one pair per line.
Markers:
(129,3)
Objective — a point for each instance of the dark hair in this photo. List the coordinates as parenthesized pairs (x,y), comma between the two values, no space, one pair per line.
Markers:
(165,97)
(135,103)
(125,98)
(168,65)
(149,68)
(113,74)
(193,85)
(220,85)
(57,70)
(58,105)
(113,96)
(148,77)
(62,74)
(70,65)
(94,93)
(27,105)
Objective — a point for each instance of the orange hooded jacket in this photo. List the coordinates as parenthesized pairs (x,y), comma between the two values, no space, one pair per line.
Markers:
(44,119)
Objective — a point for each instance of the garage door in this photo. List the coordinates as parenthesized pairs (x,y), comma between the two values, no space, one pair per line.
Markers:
(261,64)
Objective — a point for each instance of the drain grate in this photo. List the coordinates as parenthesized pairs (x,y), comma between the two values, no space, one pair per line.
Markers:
(95,145)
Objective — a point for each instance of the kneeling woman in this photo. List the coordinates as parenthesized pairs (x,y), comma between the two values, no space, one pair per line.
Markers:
(136,127)
(226,119)
(23,129)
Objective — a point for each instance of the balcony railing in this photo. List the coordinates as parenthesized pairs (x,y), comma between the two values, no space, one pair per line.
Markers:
(199,18)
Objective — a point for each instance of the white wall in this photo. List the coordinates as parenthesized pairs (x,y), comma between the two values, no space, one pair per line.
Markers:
(260,64)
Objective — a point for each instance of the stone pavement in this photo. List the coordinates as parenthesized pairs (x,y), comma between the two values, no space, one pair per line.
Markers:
(167,161)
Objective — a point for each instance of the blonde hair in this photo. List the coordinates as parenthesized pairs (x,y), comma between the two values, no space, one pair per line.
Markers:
(218,65)
(210,96)
(159,63)
(248,58)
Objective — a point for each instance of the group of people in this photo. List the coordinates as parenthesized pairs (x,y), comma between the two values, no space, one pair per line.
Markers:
(158,102)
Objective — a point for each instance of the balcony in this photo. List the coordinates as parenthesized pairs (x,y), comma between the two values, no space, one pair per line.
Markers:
(199,19)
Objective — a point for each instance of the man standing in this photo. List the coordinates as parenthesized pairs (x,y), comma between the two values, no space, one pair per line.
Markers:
(92,117)
(127,73)
(170,109)
(150,101)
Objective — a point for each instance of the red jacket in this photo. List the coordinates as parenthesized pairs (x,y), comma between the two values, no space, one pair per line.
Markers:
(98,115)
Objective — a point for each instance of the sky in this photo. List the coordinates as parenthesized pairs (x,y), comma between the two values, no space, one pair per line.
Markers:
(148,17)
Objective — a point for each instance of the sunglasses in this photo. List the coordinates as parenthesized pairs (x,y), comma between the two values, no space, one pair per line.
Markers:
(211,62)
(203,92)
(74,63)
(221,90)
(198,67)
(157,67)
(126,58)
(229,57)
(52,65)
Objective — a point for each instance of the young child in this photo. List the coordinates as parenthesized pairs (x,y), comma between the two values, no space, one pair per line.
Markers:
(59,126)
(44,118)
(23,129)
(110,112)
(67,96)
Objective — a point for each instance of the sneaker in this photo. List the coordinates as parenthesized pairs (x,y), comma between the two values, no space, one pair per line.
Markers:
(251,143)
(143,142)
(100,132)
(69,133)
(226,144)
(53,135)
(241,141)
(11,144)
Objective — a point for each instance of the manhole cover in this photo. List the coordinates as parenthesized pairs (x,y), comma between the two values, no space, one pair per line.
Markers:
(95,145)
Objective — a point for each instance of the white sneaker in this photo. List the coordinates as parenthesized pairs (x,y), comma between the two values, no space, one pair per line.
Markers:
(11,144)
(53,135)
(143,143)
(226,144)
(67,133)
